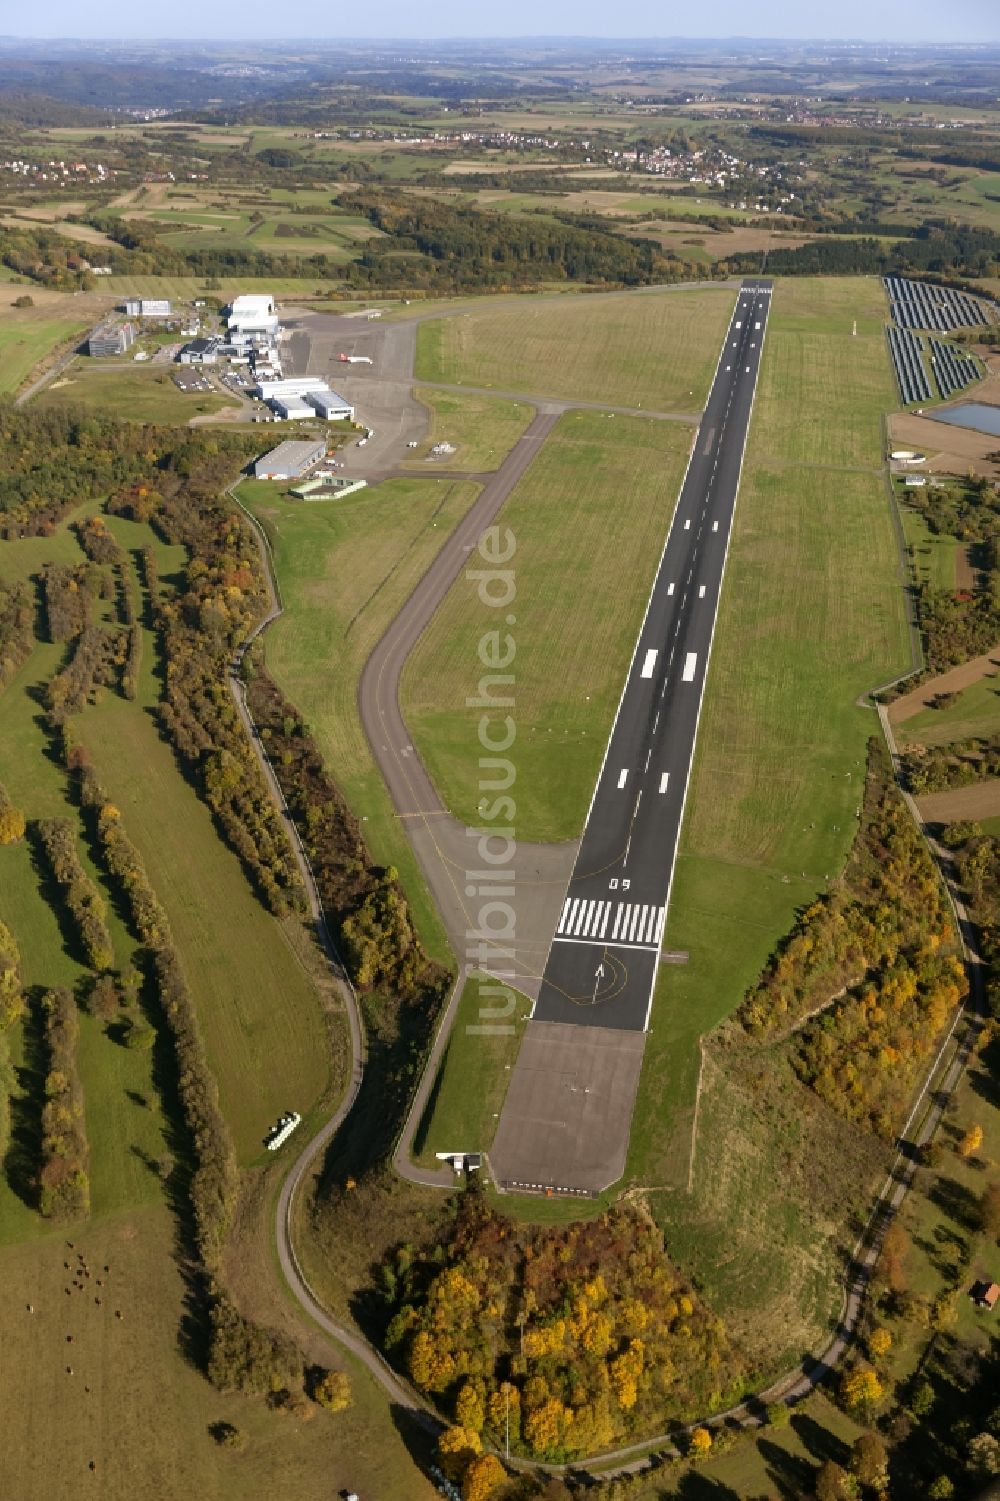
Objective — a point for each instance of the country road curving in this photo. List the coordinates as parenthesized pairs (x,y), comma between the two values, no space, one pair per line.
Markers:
(408,783)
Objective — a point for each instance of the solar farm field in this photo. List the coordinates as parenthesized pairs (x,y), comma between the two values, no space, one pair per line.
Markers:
(656,350)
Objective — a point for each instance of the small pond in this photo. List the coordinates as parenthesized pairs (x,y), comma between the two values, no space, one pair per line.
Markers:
(976,414)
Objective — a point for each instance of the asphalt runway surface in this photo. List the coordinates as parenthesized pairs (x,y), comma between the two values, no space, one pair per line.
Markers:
(602,964)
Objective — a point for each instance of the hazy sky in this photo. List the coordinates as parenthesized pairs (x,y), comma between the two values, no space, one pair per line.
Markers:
(909,20)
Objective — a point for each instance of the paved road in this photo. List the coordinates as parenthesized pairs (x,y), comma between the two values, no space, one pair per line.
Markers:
(604,956)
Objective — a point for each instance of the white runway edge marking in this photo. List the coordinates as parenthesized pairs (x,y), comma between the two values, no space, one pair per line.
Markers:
(623,776)
(665,778)
(701,591)
(670,588)
(690,665)
(649,664)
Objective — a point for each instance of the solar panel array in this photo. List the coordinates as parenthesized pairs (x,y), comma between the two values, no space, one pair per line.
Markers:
(919,304)
(911,375)
(952,371)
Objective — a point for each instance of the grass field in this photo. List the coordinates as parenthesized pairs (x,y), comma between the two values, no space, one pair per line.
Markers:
(976,711)
(482,429)
(657,350)
(142,395)
(932,555)
(133,1405)
(345,571)
(471,1085)
(259,1013)
(579,605)
(27,335)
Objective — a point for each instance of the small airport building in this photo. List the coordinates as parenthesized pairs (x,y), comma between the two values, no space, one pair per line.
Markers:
(304,396)
(148,307)
(200,352)
(111,340)
(290,460)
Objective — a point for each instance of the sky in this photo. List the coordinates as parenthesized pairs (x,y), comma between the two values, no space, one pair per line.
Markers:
(874,20)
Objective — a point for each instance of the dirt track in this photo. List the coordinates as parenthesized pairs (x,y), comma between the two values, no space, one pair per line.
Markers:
(953,681)
(979,800)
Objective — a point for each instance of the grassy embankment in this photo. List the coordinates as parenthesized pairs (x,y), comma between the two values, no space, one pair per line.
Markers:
(345,569)
(27,335)
(468,1094)
(139,394)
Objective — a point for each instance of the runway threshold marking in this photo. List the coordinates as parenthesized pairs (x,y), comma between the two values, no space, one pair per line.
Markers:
(664,779)
(623,776)
(701,591)
(670,588)
(650,663)
(690,665)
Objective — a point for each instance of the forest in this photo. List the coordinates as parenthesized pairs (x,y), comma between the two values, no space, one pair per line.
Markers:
(870,976)
(576,1335)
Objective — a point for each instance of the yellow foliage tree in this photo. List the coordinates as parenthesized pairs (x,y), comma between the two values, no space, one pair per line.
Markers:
(971,1142)
(880,1344)
(333,1391)
(701,1442)
(457,1448)
(861,1388)
(483,1478)
(11,822)
(545,1427)
(469,1409)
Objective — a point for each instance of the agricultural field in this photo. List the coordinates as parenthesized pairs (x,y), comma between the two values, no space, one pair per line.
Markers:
(78,1407)
(657,350)
(975,712)
(146,394)
(471,1085)
(571,589)
(345,569)
(482,429)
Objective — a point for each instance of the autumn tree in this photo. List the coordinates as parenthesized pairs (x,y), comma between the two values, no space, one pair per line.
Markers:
(879,1343)
(970,1142)
(12,823)
(457,1448)
(833,1483)
(483,1478)
(861,1389)
(701,1443)
(332,1390)
(989,1209)
(870,1462)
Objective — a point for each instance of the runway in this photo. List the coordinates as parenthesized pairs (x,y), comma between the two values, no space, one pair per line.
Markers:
(566,1119)
(615,908)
